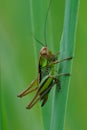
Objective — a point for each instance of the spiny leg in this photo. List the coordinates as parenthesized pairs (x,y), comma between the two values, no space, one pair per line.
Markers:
(33,102)
(28,89)
(64,74)
(40,94)
(57,81)
(58,61)
(36,99)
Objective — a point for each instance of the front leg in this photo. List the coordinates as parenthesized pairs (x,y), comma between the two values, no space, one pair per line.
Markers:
(58,61)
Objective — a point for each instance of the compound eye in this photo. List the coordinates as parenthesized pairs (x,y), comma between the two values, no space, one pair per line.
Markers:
(43,51)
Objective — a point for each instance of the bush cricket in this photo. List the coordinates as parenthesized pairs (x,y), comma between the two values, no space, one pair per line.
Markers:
(46,78)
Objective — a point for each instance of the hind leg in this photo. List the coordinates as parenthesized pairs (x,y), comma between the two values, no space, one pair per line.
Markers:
(57,81)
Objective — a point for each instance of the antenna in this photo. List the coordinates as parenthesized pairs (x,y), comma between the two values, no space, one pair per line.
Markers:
(38,40)
(46,23)
(44,28)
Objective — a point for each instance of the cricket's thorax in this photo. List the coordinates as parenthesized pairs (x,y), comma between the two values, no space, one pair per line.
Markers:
(46,58)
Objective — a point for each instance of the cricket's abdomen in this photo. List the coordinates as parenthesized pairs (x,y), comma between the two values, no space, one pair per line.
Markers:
(44,67)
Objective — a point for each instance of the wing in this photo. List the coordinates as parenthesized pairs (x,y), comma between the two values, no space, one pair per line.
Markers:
(42,93)
(43,68)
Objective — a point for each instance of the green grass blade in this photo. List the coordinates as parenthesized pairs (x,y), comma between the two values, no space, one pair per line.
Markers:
(66,50)
(17,70)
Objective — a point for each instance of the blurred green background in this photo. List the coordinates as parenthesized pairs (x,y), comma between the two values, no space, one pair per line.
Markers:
(19,54)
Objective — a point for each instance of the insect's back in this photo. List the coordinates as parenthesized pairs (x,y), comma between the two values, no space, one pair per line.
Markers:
(46,58)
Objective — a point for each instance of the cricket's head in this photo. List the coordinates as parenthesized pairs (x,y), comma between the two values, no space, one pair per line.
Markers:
(45,52)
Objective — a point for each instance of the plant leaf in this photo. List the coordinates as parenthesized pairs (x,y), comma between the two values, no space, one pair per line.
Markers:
(66,50)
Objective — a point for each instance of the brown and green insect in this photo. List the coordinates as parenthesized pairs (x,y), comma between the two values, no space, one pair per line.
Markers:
(46,77)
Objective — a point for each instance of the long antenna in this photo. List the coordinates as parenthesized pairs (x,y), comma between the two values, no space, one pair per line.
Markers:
(46,23)
(38,40)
